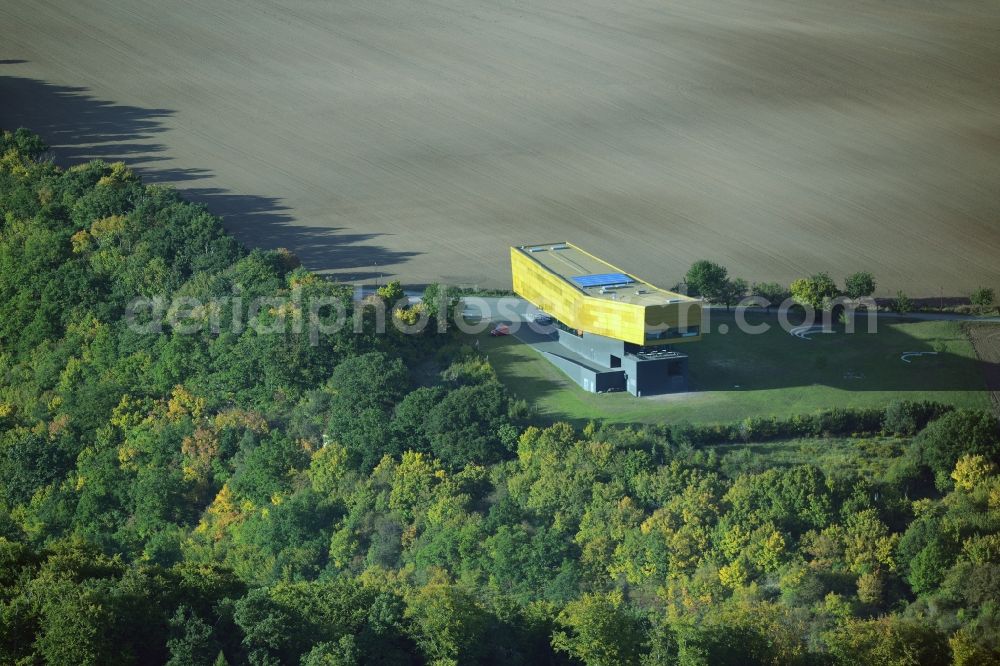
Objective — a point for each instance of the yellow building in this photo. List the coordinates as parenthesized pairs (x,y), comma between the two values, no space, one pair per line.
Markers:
(589,295)
(614,331)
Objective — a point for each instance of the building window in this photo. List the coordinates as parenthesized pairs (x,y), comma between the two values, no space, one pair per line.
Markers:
(672,333)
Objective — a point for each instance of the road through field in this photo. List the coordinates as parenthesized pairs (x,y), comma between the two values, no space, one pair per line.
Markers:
(421,138)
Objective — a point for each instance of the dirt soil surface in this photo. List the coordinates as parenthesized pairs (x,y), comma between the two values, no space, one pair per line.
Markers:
(421,139)
(986,340)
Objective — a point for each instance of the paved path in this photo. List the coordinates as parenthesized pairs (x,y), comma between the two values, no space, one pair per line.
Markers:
(937,316)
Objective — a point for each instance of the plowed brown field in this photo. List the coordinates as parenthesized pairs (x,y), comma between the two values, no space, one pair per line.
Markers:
(421,138)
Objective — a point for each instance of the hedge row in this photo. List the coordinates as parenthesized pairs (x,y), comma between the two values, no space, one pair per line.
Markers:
(900,417)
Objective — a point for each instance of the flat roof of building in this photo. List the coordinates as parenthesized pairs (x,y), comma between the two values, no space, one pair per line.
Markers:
(596,277)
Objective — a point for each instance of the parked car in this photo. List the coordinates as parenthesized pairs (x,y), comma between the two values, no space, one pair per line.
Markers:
(539,318)
(502,329)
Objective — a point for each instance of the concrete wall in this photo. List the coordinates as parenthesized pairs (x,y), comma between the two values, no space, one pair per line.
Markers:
(591,380)
(596,348)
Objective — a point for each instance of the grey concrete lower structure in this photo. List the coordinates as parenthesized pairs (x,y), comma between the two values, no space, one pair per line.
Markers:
(591,379)
(602,364)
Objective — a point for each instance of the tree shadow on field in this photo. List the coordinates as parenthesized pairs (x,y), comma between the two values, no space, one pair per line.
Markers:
(322,249)
(79,127)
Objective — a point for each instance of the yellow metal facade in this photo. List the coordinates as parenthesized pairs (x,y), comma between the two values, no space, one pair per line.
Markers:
(632,322)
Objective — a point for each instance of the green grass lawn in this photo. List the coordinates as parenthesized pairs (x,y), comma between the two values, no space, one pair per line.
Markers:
(736,375)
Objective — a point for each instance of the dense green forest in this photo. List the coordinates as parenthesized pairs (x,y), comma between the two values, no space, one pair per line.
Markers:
(237,497)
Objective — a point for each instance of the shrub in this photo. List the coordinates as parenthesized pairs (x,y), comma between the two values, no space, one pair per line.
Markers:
(905,417)
(902,304)
(842,421)
(759,428)
(839,421)
(983,298)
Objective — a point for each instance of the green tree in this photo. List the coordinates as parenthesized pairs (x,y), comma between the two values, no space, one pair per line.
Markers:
(327,469)
(905,417)
(868,544)
(707,279)
(940,445)
(815,291)
(391,293)
(600,630)
(191,641)
(732,291)
(448,625)
(928,568)
(72,625)
(977,644)
(267,628)
(340,653)
(267,466)
(772,292)
(743,633)
(23,141)
(409,420)
(440,301)
(859,285)
(887,641)
(465,426)
(369,380)
(794,499)
(28,462)
(365,390)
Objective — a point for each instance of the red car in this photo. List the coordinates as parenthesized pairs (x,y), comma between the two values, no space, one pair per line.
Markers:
(502,329)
